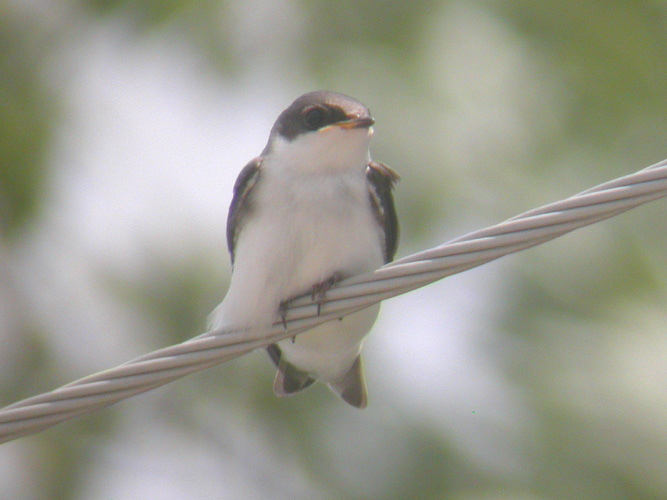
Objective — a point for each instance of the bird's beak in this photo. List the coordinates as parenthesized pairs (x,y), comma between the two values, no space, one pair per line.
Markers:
(366,122)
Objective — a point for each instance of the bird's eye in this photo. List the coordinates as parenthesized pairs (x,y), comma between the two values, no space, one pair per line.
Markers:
(314,118)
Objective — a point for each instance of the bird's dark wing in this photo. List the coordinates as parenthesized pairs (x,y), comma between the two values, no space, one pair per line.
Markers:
(241,202)
(381,181)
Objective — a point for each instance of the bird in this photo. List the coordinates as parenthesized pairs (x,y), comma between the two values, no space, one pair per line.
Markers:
(310,210)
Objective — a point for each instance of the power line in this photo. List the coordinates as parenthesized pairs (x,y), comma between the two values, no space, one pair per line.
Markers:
(160,367)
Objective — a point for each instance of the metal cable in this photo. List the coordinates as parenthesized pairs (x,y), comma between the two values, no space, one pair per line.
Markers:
(161,367)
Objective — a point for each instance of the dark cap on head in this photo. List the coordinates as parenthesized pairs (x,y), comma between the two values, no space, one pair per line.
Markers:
(319,109)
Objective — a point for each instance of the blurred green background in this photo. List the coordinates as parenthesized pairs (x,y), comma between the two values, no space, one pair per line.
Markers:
(123,125)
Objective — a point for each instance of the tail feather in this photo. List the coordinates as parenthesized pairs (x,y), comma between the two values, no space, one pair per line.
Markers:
(351,387)
(289,379)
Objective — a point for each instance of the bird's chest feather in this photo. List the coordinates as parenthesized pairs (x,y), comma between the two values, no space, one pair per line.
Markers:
(314,226)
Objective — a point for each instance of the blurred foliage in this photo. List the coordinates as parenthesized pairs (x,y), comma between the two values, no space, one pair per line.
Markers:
(206,25)
(391,27)
(592,90)
(27,117)
(175,295)
(610,66)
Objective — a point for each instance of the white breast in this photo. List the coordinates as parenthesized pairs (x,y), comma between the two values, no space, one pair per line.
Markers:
(306,224)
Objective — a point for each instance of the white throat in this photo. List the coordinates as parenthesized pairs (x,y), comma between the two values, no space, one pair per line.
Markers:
(331,150)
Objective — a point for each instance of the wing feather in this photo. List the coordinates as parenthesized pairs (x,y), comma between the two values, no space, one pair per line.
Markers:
(381,180)
(241,202)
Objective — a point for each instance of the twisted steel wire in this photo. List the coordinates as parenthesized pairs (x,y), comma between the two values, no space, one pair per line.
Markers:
(160,367)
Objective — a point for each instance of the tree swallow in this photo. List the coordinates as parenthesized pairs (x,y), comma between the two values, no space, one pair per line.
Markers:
(311,209)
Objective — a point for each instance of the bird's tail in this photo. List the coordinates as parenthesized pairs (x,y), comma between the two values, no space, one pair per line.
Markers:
(351,387)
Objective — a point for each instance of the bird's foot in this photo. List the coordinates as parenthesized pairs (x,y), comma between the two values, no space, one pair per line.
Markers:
(319,291)
(282,310)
